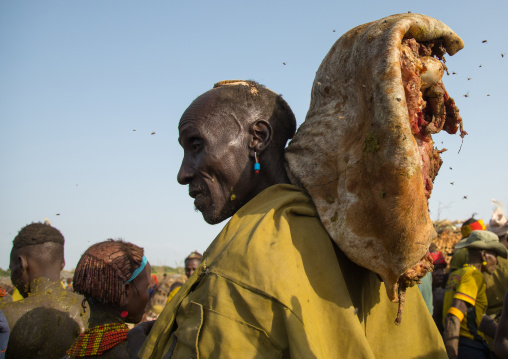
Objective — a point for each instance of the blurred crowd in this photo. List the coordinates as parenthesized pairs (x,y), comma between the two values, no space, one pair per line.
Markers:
(46,315)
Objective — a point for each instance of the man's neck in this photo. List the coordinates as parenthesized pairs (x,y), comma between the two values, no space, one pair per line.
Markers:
(475,264)
(42,284)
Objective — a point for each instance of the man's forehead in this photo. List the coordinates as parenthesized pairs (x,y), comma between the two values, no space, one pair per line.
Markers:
(202,108)
(211,112)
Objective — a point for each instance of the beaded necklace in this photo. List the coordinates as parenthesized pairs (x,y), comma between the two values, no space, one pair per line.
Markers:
(98,339)
(471,266)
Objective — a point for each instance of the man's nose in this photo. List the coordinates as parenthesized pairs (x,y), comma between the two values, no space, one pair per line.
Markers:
(186,172)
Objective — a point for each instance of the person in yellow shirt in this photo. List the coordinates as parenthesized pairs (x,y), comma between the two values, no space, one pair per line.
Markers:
(16,295)
(465,299)
(272,284)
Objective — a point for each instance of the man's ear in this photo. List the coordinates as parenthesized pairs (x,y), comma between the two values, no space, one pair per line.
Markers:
(63,264)
(23,263)
(25,270)
(484,255)
(261,135)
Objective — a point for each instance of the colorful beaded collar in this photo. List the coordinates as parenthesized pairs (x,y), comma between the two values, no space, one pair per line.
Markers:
(98,339)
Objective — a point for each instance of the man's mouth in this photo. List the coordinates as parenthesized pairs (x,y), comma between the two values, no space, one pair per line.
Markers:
(195,194)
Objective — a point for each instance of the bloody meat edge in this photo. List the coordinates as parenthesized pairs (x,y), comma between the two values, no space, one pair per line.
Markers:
(430,110)
(429,106)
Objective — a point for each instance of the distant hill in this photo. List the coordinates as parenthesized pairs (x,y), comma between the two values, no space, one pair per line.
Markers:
(5,273)
(159,270)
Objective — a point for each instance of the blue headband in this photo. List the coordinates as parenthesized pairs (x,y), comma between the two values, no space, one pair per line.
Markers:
(137,271)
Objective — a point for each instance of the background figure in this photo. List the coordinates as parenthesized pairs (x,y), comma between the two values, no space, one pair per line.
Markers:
(501,340)
(4,296)
(460,255)
(154,284)
(37,257)
(425,288)
(192,262)
(4,335)
(465,300)
(69,285)
(114,277)
(497,282)
(438,291)
(168,287)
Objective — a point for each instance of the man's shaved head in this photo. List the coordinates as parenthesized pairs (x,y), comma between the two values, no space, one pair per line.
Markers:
(256,101)
(223,133)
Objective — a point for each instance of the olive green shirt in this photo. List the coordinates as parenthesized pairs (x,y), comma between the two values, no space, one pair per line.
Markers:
(273,285)
(497,285)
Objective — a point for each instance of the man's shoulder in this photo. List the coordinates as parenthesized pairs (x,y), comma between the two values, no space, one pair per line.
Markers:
(475,274)
(43,307)
(281,259)
(467,280)
(43,332)
(502,264)
(279,235)
(58,299)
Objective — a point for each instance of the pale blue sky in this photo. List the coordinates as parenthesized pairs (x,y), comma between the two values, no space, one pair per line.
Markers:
(76,77)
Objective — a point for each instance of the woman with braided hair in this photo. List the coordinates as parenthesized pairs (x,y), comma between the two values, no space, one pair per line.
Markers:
(114,277)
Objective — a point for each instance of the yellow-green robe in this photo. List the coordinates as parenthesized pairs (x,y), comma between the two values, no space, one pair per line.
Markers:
(273,285)
(497,285)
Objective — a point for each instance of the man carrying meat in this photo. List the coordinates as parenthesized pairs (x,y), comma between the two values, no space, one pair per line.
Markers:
(260,289)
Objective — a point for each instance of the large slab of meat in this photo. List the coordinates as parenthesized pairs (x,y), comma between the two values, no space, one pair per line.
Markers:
(365,153)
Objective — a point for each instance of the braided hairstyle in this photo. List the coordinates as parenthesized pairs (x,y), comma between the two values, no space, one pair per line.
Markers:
(103,270)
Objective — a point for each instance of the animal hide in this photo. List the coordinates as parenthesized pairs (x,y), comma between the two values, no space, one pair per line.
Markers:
(356,155)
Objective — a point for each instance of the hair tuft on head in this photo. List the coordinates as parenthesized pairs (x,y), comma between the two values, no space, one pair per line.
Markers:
(230,82)
(37,233)
(194,255)
(250,97)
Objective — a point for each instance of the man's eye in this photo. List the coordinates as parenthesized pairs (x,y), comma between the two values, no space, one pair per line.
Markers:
(195,144)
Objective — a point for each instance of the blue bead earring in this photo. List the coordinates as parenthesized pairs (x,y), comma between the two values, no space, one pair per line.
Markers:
(257,166)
